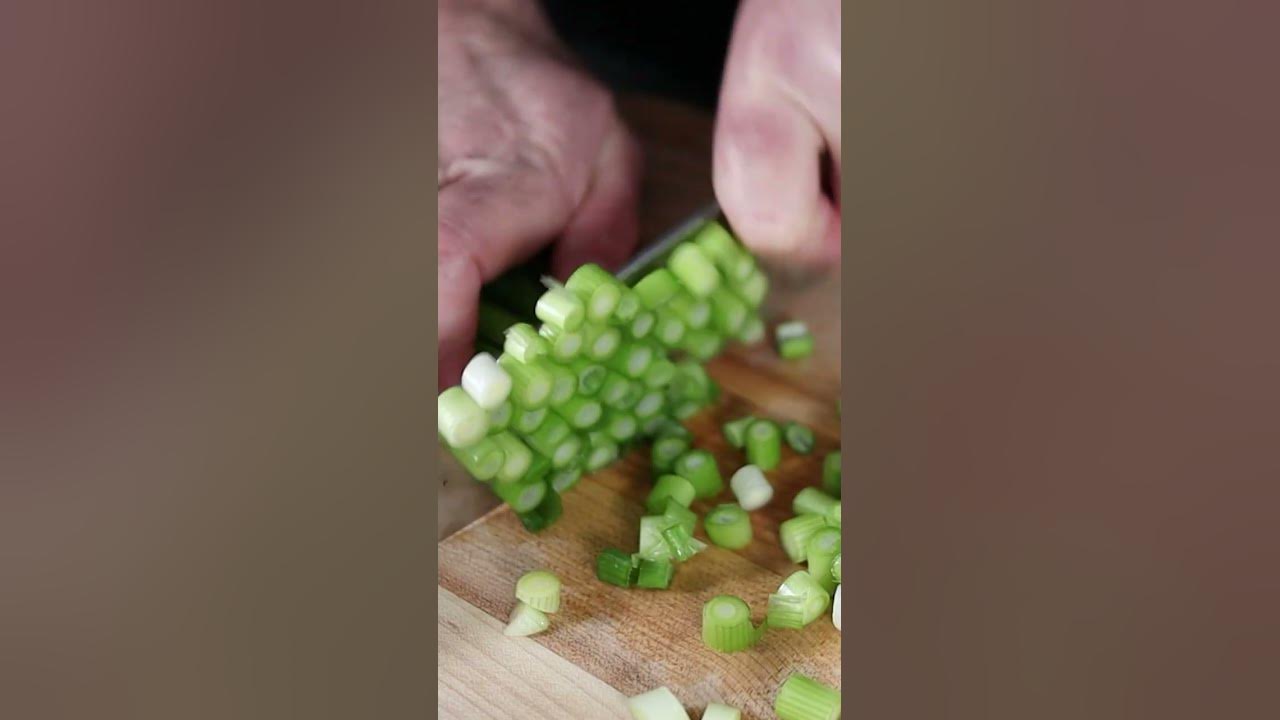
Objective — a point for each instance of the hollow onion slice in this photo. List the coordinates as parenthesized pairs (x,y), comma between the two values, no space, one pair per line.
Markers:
(486,382)
(751,488)
(726,624)
(728,526)
(539,589)
(657,704)
(803,698)
(525,621)
(460,420)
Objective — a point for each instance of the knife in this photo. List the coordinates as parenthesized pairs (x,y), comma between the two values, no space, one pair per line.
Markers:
(656,252)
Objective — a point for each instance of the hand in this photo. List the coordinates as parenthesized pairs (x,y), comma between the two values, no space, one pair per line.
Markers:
(778,122)
(530,150)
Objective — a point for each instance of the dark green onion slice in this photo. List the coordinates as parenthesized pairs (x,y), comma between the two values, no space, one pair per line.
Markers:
(735,431)
(654,574)
(764,444)
(614,567)
(544,515)
(802,698)
(699,468)
(831,474)
(799,437)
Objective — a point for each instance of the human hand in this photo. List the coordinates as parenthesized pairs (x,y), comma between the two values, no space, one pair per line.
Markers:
(530,150)
(777,123)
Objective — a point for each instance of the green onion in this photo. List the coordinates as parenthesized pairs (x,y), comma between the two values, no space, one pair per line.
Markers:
(666,450)
(525,422)
(785,612)
(649,404)
(668,330)
(754,288)
(726,624)
(728,526)
(591,375)
(814,601)
(657,704)
(556,440)
(681,542)
(732,259)
(801,698)
(597,289)
(835,608)
(560,308)
(651,426)
(517,457)
(540,590)
(835,569)
(580,412)
(530,384)
(461,421)
(660,373)
(751,487)
(544,515)
(752,331)
(538,469)
(728,312)
(764,444)
(642,324)
(831,474)
(565,345)
(601,450)
(813,501)
(486,382)
(628,306)
(695,313)
(720,711)
(564,383)
(565,478)
(614,567)
(620,425)
(652,545)
(482,459)
(633,359)
(672,428)
(657,288)
(735,431)
(616,391)
(669,487)
(522,496)
(701,344)
(794,340)
(524,343)
(694,270)
(654,574)
(699,468)
(822,549)
(833,515)
(526,620)
(795,534)
(602,341)
(799,437)
(686,409)
(500,417)
(678,514)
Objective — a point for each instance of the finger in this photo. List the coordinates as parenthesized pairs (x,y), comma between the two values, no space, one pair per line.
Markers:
(767,179)
(457,296)
(604,228)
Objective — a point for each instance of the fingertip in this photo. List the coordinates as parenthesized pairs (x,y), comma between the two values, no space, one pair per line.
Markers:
(457,295)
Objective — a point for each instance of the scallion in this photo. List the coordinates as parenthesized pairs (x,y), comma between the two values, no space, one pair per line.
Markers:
(632,359)
(669,330)
(539,589)
(822,549)
(602,449)
(614,567)
(813,601)
(564,383)
(814,501)
(726,624)
(483,459)
(720,711)
(530,384)
(732,259)
(794,340)
(751,488)
(799,437)
(460,420)
(802,698)
(672,428)
(660,373)
(517,457)
(754,288)
(599,291)
(764,444)
(695,313)
(641,325)
(735,431)
(486,382)
(565,344)
(526,620)
(545,514)
(522,496)
(591,375)
(649,404)
(728,312)
(835,569)
(525,422)
(556,440)
(680,541)
(752,331)
(669,487)
(702,344)
(666,450)
(581,412)
(680,515)
(620,425)
(835,608)
(657,288)
(602,341)
(728,526)
(699,468)
(523,343)
(628,306)
(565,478)
(694,270)
(617,391)
(500,417)
(560,308)
(657,704)
(654,574)
(795,534)
(831,474)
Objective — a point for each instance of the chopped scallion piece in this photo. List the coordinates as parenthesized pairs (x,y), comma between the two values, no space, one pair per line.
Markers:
(799,437)
(560,308)
(461,421)
(517,457)
(538,469)
(581,412)
(556,440)
(822,549)
(732,259)
(564,383)
(702,344)
(642,324)
(530,384)
(524,343)
(680,515)
(735,431)
(526,620)
(617,391)
(614,567)
(694,270)
(669,487)
(660,373)
(657,704)
(620,425)
(752,331)
(751,488)
(831,474)
(591,375)
(800,598)
(633,359)
(482,459)
(700,469)
(540,590)
(652,544)
(728,312)
(695,313)
(628,306)
(795,534)
(801,698)
(602,341)
(599,291)
(544,515)
(649,404)
(672,428)
(814,501)
(686,409)
(666,450)
(669,330)
(525,422)
(680,541)
(728,526)
(835,608)
(522,496)
(657,288)
(565,478)
(500,417)
(601,450)
(726,624)
(486,382)
(565,345)
(753,289)
(720,711)
(835,569)
(654,574)
(794,340)
(764,444)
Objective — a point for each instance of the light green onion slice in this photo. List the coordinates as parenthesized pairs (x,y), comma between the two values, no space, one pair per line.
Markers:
(835,569)
(615,390)
(660,373)
(633,359)
(602,341)
(669,330)
(657,288)
(483,460)
(601,450)
(486,382)
(652,545)
(735,431)
(813,601)
(657,704)
(813,501)
(720,711)
(678,514)
(802,698)
(620,425)
(799,437)
(654,574)
(673,428)
(591,375)
(649,404)
(795,534)
(524,343)
(751,488)
(764,444)
(785,612)
(530,384)
(681,542)
(822,549)
(628,306)
(651,426)
(669,487)
(556,440)
(833,515)
(752,331)
(695,313)
(522,496)
(565,345)
(525,422)
(599,291)
(726,624)
(642,324)
(615,567)
(831,474)
(754,288)
(794,340)
(835,608)
(526,620)
(581,412)
(699,468)
(544,515)
(686,409)
(728,526)
(539,589)
(517,457)
(728,312)
(732,259)
(694,270)
(500,417)
(564,383)
(702,344)
(666,450)
(560,308)
(565,478)
(461,421)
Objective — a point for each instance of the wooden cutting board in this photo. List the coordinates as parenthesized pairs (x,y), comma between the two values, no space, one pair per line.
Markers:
(607,643)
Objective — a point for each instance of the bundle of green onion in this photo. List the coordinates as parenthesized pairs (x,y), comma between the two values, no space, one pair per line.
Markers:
(569,375)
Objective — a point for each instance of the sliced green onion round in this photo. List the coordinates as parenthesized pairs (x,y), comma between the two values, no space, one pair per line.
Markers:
(538,469)
(530,384)
(522,496)
(614,567)
(642,324)
(728,312)
(628,306)
(720,711)
(695,271)
(751,488)
(752,331)
(461,421)
(666,450)
(681,542)
(669,330)
(486,382)
(633,359)
(813,501)
(695,313)
(565,478)
(660,373)
(581,412)
(728,526)
(602,450)
(657,288)
(835,609)
(483,460)
(831,474)
(565,345)
(615,390)
(540,590)
(794,340)
(672,428)
(654,574)
(785,612)
(686,409)
(524,343)
(560,308)
(795,534)
(652,545)
(764,444)
(591,375)
(833,515)
(726,624)
(597,289)
(735,431)
(814,600)
(657,704)
(702,344)
(602,341)
(835,569)
(649,404)
(699,468)
(526,620)
(517,457)
(754,288)
(799,437)
(500,417)
(544,515)
(677,514)
(669,487)
(564,383)
(802,698)
(525,422)
(822,549)
(620,425)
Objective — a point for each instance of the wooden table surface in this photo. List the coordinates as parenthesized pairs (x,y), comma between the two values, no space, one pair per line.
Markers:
(608,643)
